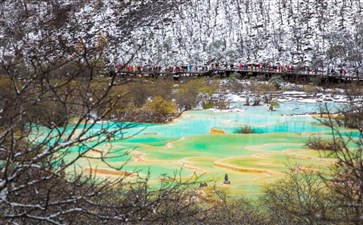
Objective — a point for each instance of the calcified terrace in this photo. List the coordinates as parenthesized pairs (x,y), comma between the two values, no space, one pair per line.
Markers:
(204,143)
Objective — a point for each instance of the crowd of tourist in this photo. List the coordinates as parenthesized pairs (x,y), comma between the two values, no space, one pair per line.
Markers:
(262,67)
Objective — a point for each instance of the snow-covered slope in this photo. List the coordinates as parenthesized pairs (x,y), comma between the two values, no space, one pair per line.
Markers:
(166,32)
(259,30)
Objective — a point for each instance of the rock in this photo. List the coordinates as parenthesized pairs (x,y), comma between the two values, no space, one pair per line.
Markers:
(216,131)
(226,180)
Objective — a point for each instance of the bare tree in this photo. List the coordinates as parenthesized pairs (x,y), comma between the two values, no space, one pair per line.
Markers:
(55,109)
(335,197)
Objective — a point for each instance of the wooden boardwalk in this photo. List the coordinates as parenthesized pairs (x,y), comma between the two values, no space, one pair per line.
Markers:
(295,76)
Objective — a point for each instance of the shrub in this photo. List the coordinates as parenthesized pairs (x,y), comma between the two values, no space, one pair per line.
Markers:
(353,120)
(300,198)
(316,80)
(260,78)
(244,129)
(276,81)
(273,104)
(234,76)
(208,105)
(193,92)
(256,101)
(317,143)
(160,109)
(310,89)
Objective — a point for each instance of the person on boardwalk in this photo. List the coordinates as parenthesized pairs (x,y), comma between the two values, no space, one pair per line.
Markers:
(190,68)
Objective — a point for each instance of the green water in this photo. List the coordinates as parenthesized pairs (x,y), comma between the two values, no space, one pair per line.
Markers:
(186,147)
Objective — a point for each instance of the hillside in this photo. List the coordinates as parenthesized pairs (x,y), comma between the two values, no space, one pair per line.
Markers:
(313,32)
(260,31)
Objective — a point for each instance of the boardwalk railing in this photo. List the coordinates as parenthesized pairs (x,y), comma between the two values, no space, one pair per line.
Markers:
(243,73)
